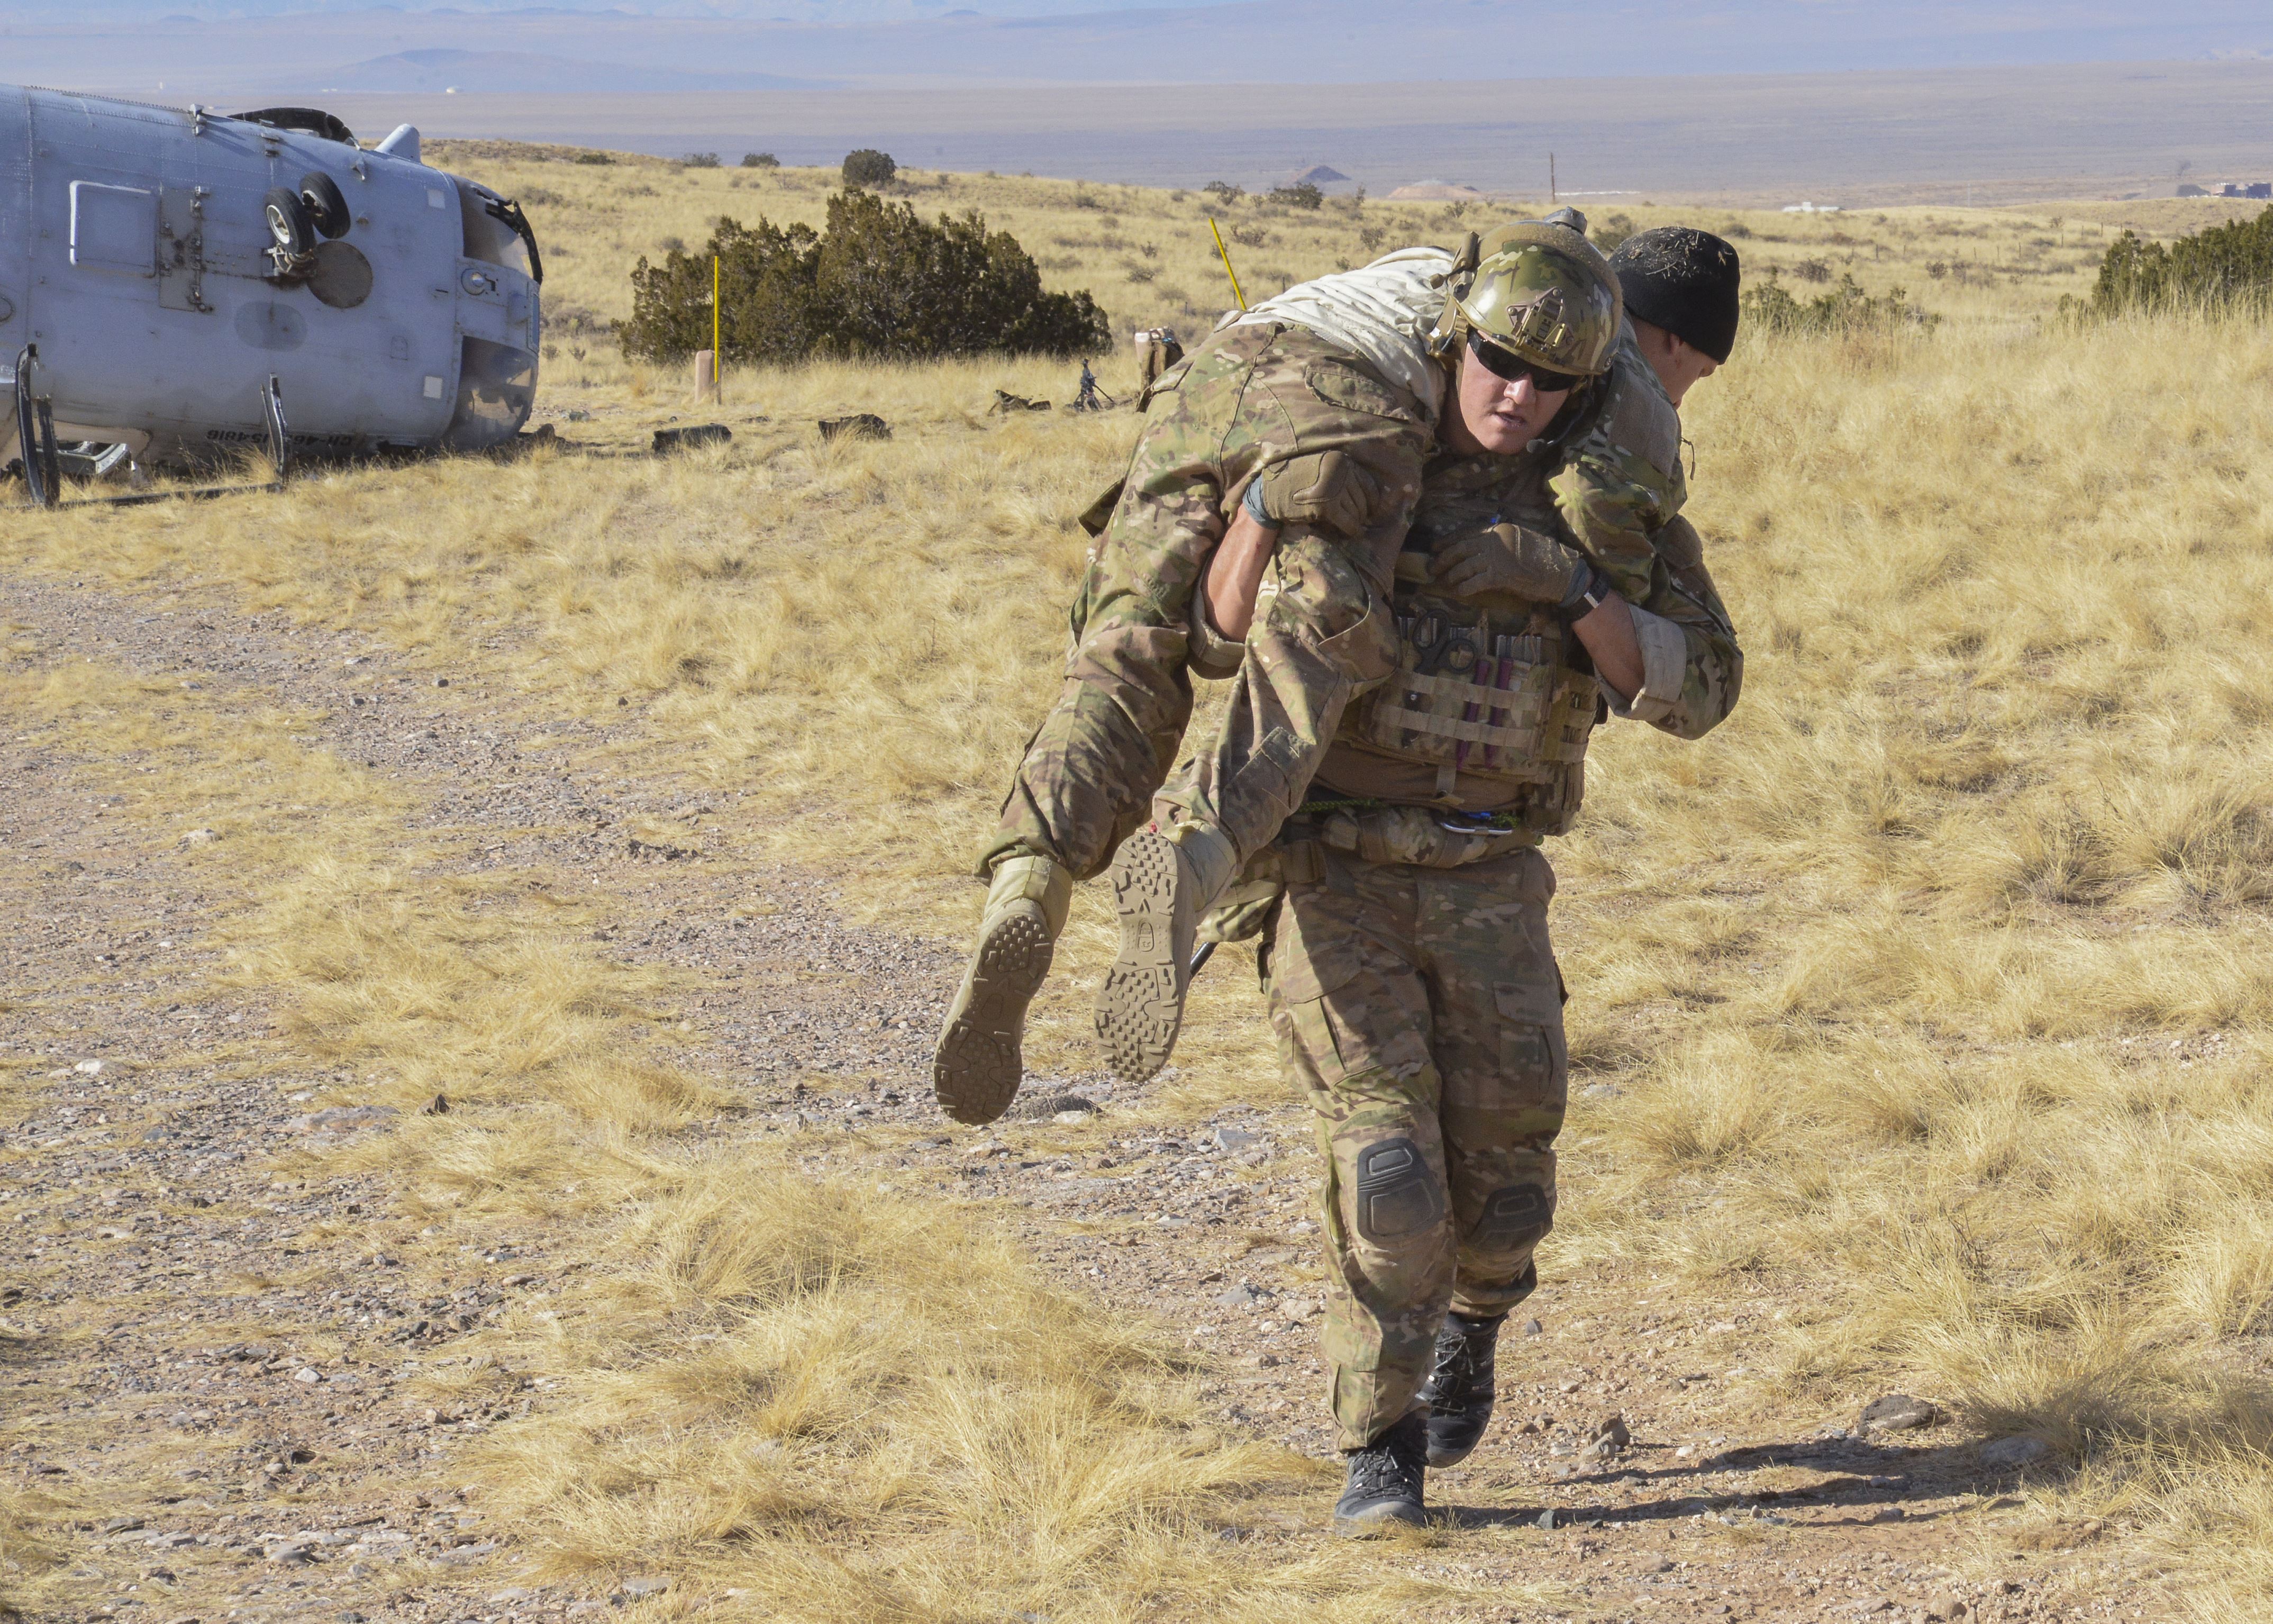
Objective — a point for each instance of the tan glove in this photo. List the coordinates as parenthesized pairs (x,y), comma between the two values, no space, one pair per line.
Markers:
(1329,489)
(1520,563)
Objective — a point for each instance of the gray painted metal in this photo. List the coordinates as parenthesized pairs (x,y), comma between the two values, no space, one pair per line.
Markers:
(134,256)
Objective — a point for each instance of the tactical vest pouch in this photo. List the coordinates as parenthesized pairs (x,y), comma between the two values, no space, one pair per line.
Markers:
(1495,707)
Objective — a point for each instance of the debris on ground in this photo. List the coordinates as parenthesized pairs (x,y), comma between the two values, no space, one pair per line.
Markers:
(668,440)
(1896,1412)
(860,425)
(1006,402)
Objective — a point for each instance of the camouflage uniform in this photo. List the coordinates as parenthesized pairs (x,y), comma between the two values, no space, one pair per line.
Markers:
(1413,987)
(1421,1012)
(1616,482)
(1340,452)
(1244,400)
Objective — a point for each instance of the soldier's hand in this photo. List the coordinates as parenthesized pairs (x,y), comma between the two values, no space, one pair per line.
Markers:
(1509,558)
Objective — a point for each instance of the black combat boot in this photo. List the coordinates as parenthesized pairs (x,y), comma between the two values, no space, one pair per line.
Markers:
(1384,1480)
(1460,1389)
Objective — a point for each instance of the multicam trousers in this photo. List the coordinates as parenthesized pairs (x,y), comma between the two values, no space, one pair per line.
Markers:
(1335,437)
(1422,1011)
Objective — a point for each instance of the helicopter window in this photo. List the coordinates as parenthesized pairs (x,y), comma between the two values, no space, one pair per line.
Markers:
(496,386)
(489,237)
(114,228)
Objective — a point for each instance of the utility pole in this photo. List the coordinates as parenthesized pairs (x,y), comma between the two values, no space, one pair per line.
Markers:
(1551,193)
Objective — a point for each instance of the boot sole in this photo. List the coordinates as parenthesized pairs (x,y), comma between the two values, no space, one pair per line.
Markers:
(977,1068)
(1141,1007)
(1374,1520)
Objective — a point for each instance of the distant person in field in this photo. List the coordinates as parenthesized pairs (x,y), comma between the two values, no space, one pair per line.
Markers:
(1458,595)
(1157,351)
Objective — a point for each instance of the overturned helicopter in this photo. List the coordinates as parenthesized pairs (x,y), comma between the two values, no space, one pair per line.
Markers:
(176,286)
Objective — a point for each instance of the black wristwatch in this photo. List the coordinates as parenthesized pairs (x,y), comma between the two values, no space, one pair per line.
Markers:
(1590,589)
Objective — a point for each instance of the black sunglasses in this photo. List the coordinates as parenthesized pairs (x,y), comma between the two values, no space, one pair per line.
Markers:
(1504,362)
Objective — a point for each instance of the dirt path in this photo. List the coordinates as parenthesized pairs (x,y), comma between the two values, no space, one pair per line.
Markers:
(219,1352)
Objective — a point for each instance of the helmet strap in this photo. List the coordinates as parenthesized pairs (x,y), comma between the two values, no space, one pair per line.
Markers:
(1451,328)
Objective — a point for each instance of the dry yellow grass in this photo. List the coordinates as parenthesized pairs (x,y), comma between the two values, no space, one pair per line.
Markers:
(1935,985)
(831,1401)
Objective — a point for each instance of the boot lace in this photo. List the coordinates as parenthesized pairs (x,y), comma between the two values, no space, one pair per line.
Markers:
(1388,1466)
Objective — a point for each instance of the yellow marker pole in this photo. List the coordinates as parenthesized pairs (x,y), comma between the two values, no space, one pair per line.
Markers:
(1228,271)
(717,355)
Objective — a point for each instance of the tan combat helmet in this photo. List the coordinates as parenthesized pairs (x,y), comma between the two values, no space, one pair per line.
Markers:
(1538,289)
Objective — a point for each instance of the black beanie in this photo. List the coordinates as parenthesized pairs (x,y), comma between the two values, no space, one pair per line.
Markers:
(1685,281)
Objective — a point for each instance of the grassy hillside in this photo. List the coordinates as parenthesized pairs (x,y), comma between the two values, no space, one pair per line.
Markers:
(1148,258)
(1930,996)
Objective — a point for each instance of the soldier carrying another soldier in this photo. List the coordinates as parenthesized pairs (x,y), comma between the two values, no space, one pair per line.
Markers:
(1440,678)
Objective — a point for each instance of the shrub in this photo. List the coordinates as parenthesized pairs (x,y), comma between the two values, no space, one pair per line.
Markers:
(1769,304)
(595,157)
(1224,192)
(1614,230)
(2225,268)
(875,281)
(869,168)
(760,161)
(700,161)
(1301,194)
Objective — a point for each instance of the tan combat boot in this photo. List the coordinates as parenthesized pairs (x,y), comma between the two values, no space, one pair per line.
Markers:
(1163,882)
(976,1068)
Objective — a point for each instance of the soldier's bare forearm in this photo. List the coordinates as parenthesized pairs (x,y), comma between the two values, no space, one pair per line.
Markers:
(1608,632)
(1234,574)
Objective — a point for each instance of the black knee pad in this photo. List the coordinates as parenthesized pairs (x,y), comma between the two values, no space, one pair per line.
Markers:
(1397,1195)
(1513,1218)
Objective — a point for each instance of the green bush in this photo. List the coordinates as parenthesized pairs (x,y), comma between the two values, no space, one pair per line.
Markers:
(875,281)
(2225,268)
(760,161)
(1301,194)
(700,161)
(1224,192)
(1613,231)
(595,157)
(1767,304)
(869,168)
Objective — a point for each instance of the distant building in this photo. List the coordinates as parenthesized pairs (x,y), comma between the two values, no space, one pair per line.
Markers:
(2246,189)
(1811,208)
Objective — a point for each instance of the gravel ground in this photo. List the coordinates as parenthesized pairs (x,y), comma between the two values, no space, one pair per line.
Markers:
(197,1319)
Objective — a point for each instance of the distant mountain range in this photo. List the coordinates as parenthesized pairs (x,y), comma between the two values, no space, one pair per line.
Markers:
(128,45)
(448,72)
